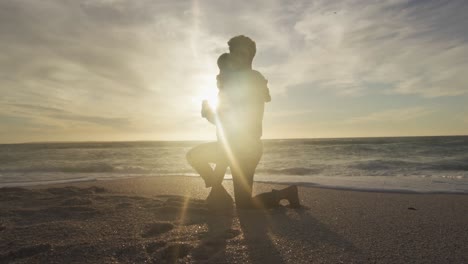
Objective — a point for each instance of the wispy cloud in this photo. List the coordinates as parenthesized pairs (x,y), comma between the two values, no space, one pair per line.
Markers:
(54,114)
(411,47)
(391,116)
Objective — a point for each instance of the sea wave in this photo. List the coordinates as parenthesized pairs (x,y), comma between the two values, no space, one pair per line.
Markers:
(382,164)
(449,165)
(291,171)
(457,164)
(80,168)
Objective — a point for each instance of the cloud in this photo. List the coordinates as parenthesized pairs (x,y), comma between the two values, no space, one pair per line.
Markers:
(144,65)
(391,116)
(464,119)
(351,47)
(107,62)
(54,114)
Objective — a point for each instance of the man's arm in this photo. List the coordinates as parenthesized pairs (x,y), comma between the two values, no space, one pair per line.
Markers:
(261,87)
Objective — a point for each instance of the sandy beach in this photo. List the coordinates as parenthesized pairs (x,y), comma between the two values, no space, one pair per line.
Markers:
(165,220)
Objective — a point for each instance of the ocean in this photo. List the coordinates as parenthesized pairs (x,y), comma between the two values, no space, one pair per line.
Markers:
(403,164)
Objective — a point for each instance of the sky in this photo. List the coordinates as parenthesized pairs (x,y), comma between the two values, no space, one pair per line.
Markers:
(81,70)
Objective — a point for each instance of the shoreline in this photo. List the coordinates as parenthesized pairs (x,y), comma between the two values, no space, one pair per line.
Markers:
(298,183)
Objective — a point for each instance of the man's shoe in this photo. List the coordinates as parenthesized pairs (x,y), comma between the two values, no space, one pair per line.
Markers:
(289,193)
(292,196)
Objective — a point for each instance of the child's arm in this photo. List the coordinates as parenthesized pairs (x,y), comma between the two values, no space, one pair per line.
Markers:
(207,112)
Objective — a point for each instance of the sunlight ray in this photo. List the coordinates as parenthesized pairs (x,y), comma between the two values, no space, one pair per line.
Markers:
(234,163)
(183,212)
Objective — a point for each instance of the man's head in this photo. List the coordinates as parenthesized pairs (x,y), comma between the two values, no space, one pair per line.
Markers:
(243,50)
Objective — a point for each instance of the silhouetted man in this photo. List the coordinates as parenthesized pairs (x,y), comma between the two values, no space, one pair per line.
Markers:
(239,126)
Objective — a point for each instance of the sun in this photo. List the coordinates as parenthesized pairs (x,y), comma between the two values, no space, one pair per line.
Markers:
(212,98)
(206,89)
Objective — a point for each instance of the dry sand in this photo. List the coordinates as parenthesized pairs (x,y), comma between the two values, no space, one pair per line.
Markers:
(165,220)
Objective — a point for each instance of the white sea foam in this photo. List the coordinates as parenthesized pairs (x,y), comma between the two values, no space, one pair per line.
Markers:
(420,164)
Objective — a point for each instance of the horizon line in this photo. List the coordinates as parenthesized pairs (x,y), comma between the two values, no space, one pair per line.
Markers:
(187,140)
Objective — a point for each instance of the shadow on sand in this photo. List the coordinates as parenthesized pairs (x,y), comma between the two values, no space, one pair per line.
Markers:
(285,235)
(280,235)
(95,225)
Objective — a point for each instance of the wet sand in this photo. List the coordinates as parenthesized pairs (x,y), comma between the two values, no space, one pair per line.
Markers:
(165,220)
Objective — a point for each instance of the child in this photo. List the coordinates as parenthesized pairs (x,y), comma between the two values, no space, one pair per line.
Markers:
(226,67)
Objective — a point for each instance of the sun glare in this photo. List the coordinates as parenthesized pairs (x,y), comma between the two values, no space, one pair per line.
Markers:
(212,98)
(210,95)
(206,90)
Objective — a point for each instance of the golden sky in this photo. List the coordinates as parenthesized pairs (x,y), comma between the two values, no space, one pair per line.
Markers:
(73,70)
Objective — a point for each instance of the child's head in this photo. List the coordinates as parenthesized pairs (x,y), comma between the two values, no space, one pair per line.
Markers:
(224,63)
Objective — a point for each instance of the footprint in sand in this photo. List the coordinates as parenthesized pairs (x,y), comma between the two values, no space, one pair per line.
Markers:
(154,246)
(72,191)
(156,229)
(174,251)
(24,253)
(185,202)
(124,205)
(77,201)
(174,204)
